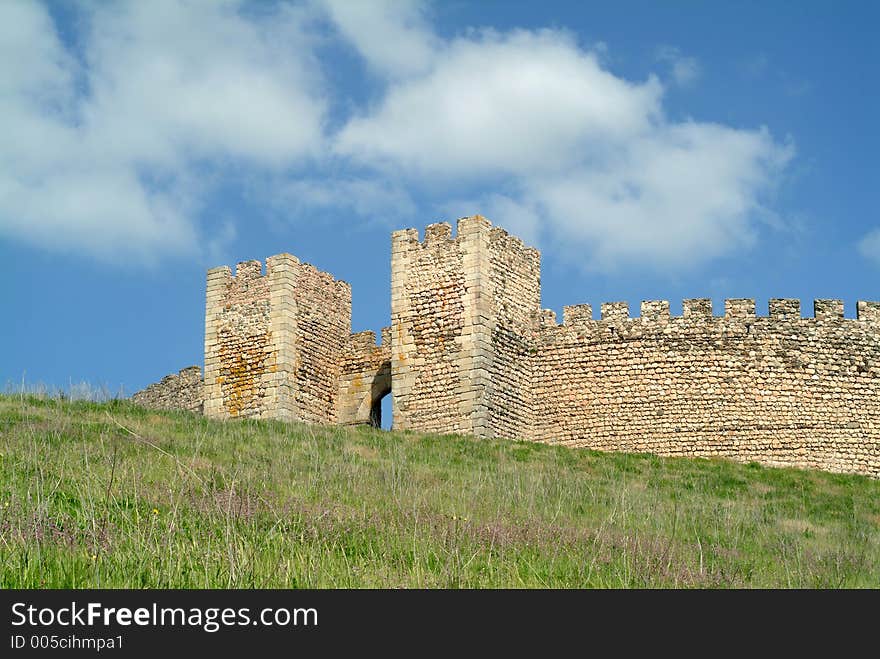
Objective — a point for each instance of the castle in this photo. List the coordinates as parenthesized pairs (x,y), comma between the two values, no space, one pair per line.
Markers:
(470,351)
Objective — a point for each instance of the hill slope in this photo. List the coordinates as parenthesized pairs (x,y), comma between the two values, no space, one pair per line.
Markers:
(112,495)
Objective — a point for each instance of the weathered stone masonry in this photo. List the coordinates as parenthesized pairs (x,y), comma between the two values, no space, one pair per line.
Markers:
(470,351)
(182,391)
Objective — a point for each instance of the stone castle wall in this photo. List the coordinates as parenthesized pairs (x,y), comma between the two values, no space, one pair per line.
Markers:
(470,351)
(780,389)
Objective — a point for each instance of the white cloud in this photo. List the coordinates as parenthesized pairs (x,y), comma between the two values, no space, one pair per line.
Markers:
(685,70)
(104,149)
(589,160)
(391,35)
(677,197)
(869,246)
(100,155)
(516,103)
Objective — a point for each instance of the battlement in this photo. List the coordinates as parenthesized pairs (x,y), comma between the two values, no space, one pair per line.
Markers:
(440,234)
(252,271)
(735,309)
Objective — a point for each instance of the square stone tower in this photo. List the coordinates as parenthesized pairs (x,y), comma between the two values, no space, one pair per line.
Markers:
(462,312)
(273,341)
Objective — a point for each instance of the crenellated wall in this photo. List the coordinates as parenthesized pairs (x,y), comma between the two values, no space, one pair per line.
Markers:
(778,389)
(470,350)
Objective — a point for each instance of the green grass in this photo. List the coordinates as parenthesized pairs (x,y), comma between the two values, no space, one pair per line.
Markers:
(112,495)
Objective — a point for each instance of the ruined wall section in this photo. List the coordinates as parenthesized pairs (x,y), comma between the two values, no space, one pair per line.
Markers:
(364,379)
(177,391)
(273,342)
(781,390)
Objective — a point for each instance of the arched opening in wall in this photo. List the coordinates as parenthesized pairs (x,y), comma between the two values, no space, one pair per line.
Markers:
(380,409)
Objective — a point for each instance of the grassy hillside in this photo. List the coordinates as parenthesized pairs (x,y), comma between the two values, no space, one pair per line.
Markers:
(111,495)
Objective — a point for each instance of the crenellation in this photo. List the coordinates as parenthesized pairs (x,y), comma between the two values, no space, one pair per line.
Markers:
(362,341)
(438,232)
(547,318)
(868,311)
(577,314)
(828,309)
(248,270)
(475,224)
(405,238)
(785,308)
(696,308)
(470,350)
(655,310)
(739,308)
(615,311)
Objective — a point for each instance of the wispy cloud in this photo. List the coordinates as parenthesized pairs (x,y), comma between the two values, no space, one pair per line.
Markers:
(869,246)
(684,70)
(393,36)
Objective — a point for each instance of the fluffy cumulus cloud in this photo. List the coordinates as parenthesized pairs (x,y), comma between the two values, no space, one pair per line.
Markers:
(586,159)
(869,246)
(103,138)
(517,103)
(113,138)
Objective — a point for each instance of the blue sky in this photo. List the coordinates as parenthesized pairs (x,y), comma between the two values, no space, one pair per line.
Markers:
(651,150)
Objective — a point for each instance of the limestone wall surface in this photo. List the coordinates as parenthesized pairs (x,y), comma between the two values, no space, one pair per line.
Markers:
(178,391)
(513,287)
(323,328)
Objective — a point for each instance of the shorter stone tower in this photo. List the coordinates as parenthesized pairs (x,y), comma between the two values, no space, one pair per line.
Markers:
(273,341)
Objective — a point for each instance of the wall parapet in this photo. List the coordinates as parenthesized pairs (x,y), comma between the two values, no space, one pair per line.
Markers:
(701,309)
